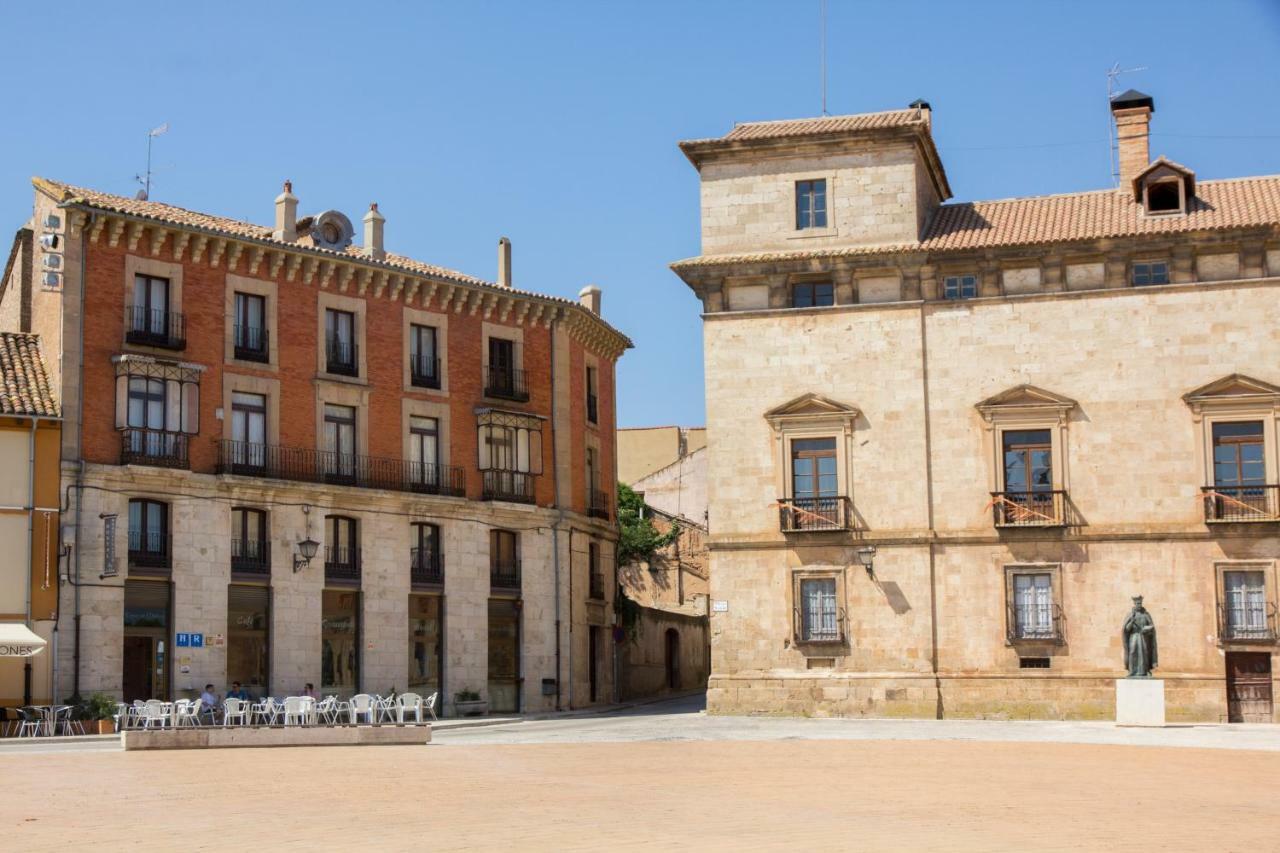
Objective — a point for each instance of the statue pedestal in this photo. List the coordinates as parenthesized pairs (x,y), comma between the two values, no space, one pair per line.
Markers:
(1139,702)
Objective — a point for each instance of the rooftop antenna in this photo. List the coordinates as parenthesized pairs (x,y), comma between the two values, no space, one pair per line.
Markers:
(145,192)
(822,29)
(1112,74)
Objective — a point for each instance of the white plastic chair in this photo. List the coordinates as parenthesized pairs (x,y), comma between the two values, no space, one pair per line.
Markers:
(363,704)
(408,703)
(188,712)
(386,709)
(430,705)
(325,711)
(297,710)
(32,721)
(235,712)
(154,713)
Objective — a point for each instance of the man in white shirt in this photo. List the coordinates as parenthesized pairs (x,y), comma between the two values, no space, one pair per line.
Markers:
(208,701)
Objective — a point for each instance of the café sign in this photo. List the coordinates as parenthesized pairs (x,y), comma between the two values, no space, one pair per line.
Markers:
(19,641)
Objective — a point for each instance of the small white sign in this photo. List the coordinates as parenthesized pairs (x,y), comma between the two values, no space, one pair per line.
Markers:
(720,606)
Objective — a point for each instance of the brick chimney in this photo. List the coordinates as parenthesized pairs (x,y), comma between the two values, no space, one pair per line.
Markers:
(1132,111)
(373,222)
(504,262)
(286,215)
(589,298)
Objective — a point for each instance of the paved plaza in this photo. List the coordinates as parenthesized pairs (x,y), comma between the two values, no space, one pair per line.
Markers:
(668,777)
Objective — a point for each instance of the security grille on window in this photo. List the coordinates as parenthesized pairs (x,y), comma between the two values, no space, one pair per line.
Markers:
(819,613)
(960,287)
(811,204)
(1033,606)
(1155,272)
(1246,604)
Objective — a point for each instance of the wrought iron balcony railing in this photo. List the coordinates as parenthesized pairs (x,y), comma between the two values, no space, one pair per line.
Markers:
(349,469)
(251,556)
(426,566)
(598,504)
(252,343)
(342,357)
(802,515)
(1251,623)
(424,372)
(153,328)
(1043,624)
(1241,503)
(506,383)
(150,551)
(341,564)
(1030,509)
(154,447)
(504,575)
(596,585)
(512,486)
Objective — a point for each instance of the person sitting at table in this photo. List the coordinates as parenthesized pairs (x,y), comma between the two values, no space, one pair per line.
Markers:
(208,701)
(310,691)
(237,692)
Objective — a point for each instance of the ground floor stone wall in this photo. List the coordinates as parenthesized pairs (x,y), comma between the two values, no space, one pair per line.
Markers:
(548,619)
(647,656)
(927,631)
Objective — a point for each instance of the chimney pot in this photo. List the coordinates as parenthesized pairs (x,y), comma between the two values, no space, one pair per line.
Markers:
(504,262)
(373,223)
(286,229)
(589,298)
(1132,112)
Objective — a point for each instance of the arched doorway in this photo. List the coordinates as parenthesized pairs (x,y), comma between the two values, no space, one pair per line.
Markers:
(673,658)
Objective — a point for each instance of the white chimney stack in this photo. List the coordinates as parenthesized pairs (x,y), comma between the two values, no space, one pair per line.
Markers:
(504,262)
(589,298)
(373,222)
(286,229)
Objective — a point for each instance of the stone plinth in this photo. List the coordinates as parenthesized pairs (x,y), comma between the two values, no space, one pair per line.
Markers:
(1139,702)
(216,738)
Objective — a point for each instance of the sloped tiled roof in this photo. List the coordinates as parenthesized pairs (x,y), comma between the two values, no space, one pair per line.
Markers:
(824,124)
(24,384)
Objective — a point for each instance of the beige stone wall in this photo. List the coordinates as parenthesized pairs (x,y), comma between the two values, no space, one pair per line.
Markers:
(680,488)
(644,450)
(643,664)
(872,198)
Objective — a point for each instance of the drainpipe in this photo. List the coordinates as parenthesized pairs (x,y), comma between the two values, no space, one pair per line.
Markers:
(31,551)
(555,528)
(84,256)
(933,534)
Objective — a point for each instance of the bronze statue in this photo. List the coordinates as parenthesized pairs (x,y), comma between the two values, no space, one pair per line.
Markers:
(1139,634)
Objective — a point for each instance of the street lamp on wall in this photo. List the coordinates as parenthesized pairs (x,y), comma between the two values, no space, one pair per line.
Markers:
(867,557)
(307,548)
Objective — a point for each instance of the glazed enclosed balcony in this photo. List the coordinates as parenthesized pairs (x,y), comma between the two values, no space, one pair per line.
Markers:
(1039,508)
(807,515)
(306,465)
(1241,503)
(154,328)
(154,447)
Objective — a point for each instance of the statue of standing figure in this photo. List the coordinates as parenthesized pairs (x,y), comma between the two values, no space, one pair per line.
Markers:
(1139,634)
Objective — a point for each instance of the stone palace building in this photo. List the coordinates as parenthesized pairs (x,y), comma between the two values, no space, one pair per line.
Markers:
(948,441)
(291,459)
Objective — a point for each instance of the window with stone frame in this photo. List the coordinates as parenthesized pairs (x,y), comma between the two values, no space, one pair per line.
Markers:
(1236,417)
(1032,594)
(811,204)
(818,613)
(1150,272)
(959,287)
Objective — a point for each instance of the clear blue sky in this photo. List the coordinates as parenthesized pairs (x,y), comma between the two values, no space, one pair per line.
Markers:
(556,123)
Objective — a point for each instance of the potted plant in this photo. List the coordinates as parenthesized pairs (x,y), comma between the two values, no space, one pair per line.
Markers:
(467,703)
(101,709)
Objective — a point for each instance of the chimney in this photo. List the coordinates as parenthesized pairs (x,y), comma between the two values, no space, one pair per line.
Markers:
(1132,111)
(373,222)
(286,228)
(589,298)
(504,262)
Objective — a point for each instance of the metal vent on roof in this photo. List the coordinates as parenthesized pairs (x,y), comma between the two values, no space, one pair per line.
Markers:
(332,230)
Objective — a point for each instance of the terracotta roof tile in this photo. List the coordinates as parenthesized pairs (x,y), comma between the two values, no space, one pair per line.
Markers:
(24,384)
(824,124)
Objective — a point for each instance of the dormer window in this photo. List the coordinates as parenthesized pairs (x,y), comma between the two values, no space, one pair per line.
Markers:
(1164,196)
(1164,188)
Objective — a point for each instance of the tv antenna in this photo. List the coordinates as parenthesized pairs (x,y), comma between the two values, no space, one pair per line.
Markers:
(145,180)
(822,49)
(1113,74)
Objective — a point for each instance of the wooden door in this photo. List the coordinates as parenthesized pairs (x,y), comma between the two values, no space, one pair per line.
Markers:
(137,682)
(594,661)
(1249,687)
(673,658)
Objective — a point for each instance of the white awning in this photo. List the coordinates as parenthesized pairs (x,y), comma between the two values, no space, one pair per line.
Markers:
(19,641)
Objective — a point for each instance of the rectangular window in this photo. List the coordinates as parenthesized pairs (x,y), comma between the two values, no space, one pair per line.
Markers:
(504,560)
(1153,272)
(339,443)
(812,294)
(250,328)
(248,432)
(593,399)
(819,612)
(425,565)
(813,468)
(594,574)
(426,651)
(340,642)
(150,305)
(510,455)
(341,550)
(148,534)
(250,548)
(1245,600)
(960,287)
(424,451)
(1033,606)
(811,204)
(341,354)
(424,362)
(1239,458)
(248,637)
(1028,461)
(503,378)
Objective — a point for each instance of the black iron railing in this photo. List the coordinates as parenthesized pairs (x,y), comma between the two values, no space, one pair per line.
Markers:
(1252,622)
(150,550)
(1241,503)
(504,574)
(154,447)
(598,503)
(252,343)
(823,627)
(342,357)
(1042,624)
(1029,509)
(426,566)
(508,486)
(341,564)
(506,383)
(801,515)
(595,584)
(593,409)
(251,556)
(424,371)
(349,469)
(154,328)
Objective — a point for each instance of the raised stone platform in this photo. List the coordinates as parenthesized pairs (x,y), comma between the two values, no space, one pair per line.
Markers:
(1140,702)
(212,737)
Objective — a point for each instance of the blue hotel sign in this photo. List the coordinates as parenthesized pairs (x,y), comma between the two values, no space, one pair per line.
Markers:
(193,641)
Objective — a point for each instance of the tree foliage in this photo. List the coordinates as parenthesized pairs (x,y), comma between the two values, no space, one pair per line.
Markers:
(638,538)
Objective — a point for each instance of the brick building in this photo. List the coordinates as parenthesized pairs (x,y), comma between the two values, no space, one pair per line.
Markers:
(948,441)
(298,460)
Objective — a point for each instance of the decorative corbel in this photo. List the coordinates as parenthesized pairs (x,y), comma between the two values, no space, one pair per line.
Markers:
(158,236)
(197,251)
(233,256)
(277,261)
(291,267)
(384,281)
(446,296)
(95,231)
(344,277)
(523,311)
(414,285)
(113,234)
(326,276)
(215,251)
(134,235)
(430,294)
(255,259)
(460,299)
(477,298)
(180,242)
(506,303)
